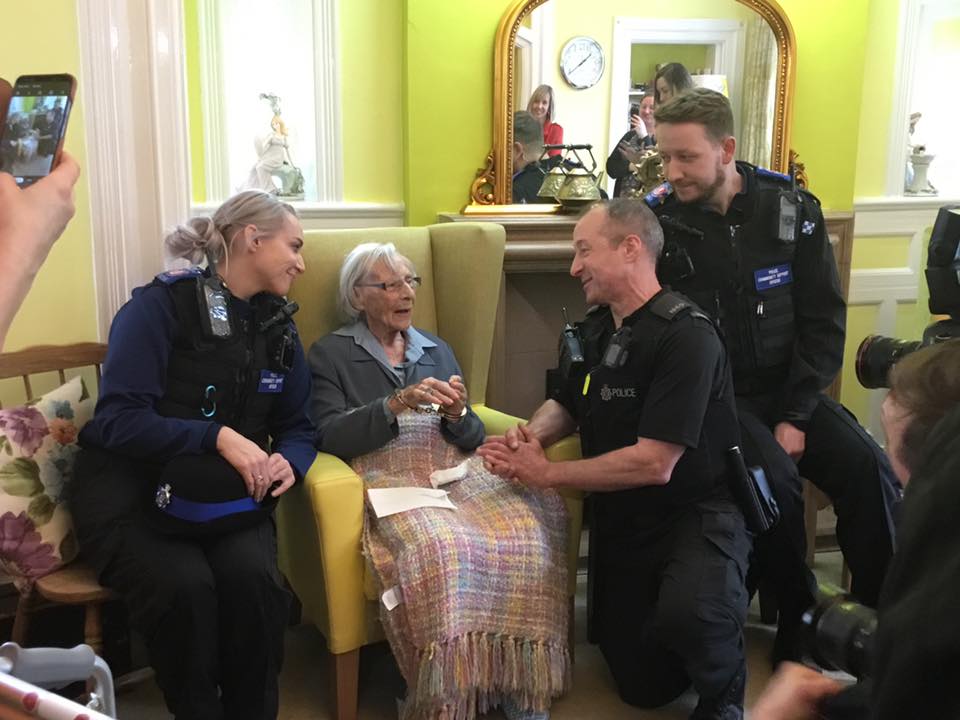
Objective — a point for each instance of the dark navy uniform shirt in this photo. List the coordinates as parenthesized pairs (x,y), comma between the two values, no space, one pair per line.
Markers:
(135,377)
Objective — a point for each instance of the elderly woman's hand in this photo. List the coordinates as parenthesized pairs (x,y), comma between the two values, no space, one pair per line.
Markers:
(431,391)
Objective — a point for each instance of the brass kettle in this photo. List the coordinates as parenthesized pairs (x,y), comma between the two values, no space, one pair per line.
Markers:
(572,182)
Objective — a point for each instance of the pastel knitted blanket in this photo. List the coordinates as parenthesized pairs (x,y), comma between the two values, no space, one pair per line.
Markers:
(483,588)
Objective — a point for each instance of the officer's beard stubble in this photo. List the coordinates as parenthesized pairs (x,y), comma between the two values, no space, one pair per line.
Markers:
(705,192)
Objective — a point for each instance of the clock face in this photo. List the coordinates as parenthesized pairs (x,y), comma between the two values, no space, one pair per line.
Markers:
(581,62)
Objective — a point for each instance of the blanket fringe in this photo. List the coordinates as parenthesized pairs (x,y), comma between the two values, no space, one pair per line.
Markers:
(469,674)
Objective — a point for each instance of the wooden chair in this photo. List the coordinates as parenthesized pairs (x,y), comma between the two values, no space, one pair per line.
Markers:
(73,584)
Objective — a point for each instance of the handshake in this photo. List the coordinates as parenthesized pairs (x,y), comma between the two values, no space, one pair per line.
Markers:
(518,455)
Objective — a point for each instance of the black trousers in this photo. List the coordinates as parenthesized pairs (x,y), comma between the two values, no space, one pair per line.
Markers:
(671,609)
(212,611)
(841,459)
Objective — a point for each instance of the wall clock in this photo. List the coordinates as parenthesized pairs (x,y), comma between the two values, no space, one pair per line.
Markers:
(581,62)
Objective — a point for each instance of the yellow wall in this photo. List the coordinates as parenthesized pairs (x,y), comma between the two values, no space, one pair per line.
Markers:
(42,38)
(194,89)
(877,97)
(880,252)
(371,61)
(645,58)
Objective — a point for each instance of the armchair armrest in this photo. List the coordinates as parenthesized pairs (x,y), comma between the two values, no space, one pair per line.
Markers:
(320,523)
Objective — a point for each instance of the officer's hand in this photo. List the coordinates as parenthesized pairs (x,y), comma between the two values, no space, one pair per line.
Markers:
(791,438)
(527,463)
(281,472)
(794,693)
(248,459)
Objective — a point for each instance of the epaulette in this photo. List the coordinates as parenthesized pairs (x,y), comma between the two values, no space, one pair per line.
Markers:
(658,195)
(773,175)
(171,276)
(670,305)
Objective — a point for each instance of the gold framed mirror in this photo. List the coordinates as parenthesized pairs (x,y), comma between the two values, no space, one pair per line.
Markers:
(491,191)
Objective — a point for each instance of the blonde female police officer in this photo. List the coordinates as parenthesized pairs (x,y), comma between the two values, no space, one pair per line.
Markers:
(204,393)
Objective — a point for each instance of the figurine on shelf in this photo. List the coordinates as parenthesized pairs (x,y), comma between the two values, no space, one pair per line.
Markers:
(917,182)
(274,160)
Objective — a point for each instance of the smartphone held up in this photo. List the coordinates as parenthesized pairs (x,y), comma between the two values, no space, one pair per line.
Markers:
(35,125)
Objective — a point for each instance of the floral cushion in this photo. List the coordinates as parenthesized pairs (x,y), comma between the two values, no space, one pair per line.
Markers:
(38,443)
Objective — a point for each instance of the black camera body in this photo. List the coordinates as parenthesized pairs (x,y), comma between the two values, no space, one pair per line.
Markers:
(877,354)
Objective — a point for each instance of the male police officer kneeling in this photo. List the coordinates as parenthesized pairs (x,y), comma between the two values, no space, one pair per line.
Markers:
(654,404)
(753,252)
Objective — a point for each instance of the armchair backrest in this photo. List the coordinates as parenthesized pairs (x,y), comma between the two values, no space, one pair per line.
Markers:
(461,265)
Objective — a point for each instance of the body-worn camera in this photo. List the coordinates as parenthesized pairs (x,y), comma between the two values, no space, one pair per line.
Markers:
(877,354)
(281,344)
(841,632)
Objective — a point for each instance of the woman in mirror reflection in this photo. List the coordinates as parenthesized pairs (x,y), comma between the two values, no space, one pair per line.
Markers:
(671,80)
(630,150)
(543,107)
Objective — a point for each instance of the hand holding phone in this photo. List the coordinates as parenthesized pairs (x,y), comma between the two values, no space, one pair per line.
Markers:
(31,137)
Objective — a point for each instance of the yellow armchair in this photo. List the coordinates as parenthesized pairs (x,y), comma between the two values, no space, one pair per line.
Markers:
(319,522)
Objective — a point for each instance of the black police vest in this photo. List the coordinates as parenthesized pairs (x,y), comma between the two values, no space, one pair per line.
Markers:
(742,275)
(609,406)
(220,380)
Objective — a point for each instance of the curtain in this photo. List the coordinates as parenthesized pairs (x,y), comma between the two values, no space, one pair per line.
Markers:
(759,82)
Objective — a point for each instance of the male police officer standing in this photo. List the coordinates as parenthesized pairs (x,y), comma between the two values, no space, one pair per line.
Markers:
(753,252)
(654,404)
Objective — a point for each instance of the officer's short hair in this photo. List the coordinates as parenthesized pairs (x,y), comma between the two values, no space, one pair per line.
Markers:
(528,132)
(926,384)
(699,105)
(358,263)
(631,216)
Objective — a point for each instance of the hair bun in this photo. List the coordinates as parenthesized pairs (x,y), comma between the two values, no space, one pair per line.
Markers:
(195,240)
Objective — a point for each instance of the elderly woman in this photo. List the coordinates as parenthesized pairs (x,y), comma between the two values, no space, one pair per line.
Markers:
(483,615)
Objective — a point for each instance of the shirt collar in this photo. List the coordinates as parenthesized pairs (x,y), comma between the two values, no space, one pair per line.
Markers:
(417,342)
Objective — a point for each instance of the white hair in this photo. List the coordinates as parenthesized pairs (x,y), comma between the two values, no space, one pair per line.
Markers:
(357,266)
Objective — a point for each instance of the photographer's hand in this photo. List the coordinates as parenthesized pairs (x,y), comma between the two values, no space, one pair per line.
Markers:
(31,220)
(794,693)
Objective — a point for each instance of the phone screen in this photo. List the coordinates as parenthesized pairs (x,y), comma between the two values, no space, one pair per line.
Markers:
(35,126)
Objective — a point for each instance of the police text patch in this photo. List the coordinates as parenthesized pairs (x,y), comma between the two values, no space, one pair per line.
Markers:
(771,277)
(270,382)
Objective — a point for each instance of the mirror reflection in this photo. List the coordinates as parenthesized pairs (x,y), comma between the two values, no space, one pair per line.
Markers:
(595,78)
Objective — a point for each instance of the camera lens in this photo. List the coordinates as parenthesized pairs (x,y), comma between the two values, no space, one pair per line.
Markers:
(877,354)
(842,632)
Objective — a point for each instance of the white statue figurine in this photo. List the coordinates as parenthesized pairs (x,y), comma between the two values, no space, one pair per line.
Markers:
(272,150)
(919,162)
